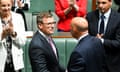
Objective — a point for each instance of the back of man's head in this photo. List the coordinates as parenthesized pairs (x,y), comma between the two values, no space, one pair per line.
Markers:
(81,23)
(79,26)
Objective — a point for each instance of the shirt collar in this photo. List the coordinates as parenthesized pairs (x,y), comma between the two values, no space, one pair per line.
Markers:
(45,36)
(82,36)
(107,14)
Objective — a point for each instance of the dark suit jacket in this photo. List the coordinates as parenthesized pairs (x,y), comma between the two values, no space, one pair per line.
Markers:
(88,56)
(111,37)
(41,55)
(118,3)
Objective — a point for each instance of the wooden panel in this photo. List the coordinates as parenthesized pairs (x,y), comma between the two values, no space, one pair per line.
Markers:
(94,4)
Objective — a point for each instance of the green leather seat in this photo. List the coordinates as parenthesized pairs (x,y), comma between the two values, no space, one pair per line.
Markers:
(70,45)
(27,67)
(60,44)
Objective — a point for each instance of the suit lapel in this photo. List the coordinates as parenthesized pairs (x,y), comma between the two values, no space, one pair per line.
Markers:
(110,22)
(47,46)
(93,23)
(96,20)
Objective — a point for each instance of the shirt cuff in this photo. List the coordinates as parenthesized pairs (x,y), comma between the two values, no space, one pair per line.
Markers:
(102,40)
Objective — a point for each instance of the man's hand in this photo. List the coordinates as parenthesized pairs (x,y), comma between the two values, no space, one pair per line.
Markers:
(20,4)
(99,36)
(71,3)
(7,29)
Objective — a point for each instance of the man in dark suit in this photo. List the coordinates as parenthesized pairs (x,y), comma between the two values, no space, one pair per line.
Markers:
(117,2)
(111,33)
(42,51)
(88,55)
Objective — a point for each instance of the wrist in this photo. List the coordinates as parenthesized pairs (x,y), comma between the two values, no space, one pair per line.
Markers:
(76,7)
(14,34)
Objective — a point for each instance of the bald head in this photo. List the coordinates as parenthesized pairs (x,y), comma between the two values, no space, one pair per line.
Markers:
(79,26)
(80,23)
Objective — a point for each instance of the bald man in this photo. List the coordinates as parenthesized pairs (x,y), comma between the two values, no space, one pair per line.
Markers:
(88,55)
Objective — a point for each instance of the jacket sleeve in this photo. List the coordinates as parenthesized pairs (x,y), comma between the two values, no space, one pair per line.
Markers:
(76,63)
(38,59)
(20,39)
(58,9)
(82,4)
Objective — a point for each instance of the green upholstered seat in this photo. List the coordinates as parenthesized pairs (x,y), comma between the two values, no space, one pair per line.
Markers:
(27,67)
(60,44)
(70,45)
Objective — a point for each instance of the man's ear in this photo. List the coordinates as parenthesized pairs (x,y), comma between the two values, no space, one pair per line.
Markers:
(40,25)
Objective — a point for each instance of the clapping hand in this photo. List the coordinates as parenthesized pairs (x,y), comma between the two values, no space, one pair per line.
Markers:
(20,4)
(7,29)
(71,3)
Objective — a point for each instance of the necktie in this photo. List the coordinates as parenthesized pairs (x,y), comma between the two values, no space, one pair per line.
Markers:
(52,45)
(101,30)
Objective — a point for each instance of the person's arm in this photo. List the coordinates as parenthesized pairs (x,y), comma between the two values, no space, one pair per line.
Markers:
(67,10)
(76,63)
(38,59)
(113,44)
(24,6)
(81,7)
(19,29)
(62,11)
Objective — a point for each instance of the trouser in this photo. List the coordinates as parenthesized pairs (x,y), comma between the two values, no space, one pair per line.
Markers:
(10,68)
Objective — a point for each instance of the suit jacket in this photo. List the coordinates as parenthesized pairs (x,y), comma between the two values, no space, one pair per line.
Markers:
(118,3)
(111,37)
(64,20)
(88,56)
(17,43)
(41,55)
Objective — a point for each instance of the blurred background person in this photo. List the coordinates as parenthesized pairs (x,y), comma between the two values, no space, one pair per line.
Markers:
(43,53)
(66,10)
(12,38)
(104,23)
(19,6)
(117,2)
(88,55)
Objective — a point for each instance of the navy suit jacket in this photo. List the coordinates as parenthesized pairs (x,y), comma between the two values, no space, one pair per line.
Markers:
(111,37)
(88,56)
(41,55)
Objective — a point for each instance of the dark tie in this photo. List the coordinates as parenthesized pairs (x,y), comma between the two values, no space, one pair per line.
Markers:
(101,31)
